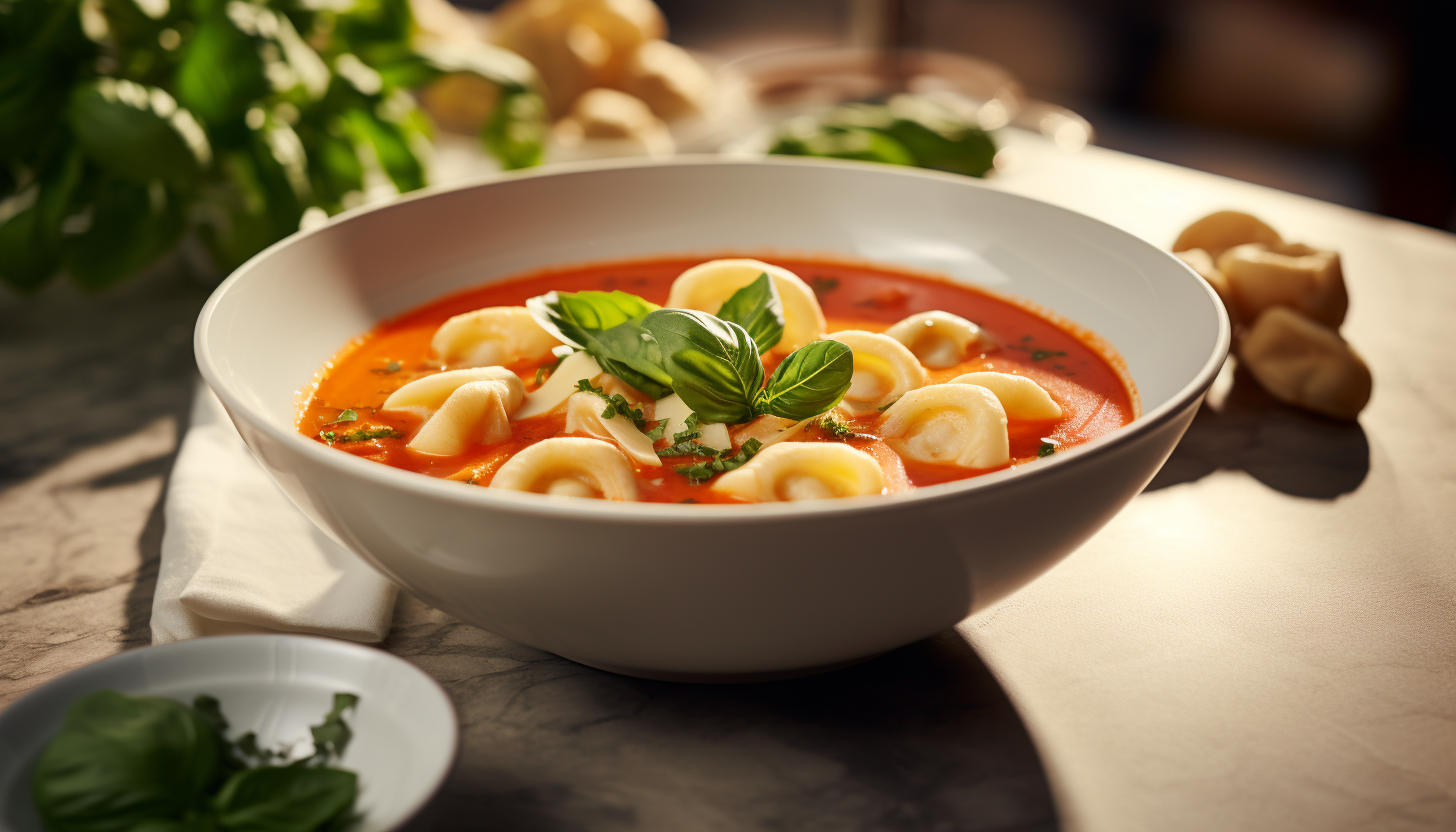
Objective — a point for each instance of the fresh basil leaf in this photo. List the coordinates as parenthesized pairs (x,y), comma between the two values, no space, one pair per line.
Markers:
(606,325)
(132,226)
(810,381)
(690,430)
(285,799)
(138,132)
(713,364)
(31,243)
(332,736)
(120,760)
(515,134)
(617,404)
(758,309)
(347,415)
(573,316)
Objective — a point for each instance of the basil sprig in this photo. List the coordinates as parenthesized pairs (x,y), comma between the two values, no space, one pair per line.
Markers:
(759,310)
(608,326)
(122,762)
(713,363)
(810,381)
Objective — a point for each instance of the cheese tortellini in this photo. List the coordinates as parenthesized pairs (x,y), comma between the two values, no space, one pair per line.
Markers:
(884,370)
(584,415)
(804,471)
(938,339)
(498,335)
(1021,397)
(459,407)
(707,286)
(949,424)
(569,466)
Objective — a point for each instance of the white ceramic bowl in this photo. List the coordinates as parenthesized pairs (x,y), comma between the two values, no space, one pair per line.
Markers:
(276,685)
(681,591)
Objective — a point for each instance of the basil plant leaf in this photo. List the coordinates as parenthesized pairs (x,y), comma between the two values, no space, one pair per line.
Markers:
(138,132)
(120,760)
(813,379)
(515,134)
(132,226)
(607,325)
(758,309)
(713,364)
(284,799)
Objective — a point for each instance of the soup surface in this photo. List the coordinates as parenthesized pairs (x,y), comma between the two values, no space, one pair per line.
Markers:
(912,417)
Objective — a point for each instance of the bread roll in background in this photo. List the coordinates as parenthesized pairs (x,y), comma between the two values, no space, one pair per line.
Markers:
(1223,230)
(1306,279)
(1304,363)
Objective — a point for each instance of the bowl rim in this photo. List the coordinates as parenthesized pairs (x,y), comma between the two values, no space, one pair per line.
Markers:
(615,512)
(86,675)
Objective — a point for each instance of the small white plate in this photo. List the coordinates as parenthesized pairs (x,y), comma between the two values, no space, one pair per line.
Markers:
(277,685)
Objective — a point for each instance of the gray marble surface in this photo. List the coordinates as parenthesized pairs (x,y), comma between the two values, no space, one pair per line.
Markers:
(95,392)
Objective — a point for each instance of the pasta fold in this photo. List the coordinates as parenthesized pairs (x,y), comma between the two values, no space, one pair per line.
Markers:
(884,370)
(938,339)
(569,466)
(948,424)
(497,335)
(804,471)
(707,286)
(459,407)
(1020,397)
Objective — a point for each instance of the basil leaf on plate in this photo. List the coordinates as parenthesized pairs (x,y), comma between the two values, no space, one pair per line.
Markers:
(607,325)
(284,799)
(758,309)
(332,736)
(810,381)
(120,760)
(713,364)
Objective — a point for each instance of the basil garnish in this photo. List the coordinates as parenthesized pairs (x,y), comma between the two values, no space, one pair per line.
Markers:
(713,364)
(122,762)
(703,471)
(607,325)
(810,381)
(759,310)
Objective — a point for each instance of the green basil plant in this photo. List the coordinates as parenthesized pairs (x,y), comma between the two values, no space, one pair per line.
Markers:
(126,125)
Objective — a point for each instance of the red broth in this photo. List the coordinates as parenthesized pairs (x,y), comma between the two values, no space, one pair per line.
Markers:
(1080,371)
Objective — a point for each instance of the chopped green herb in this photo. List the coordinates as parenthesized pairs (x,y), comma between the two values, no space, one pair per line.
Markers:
(544,372)
(836,428)
(1038,355)
(346,416)
(1026,338)
(823,285)
(617,404)
(657,431)
(704,471)
(359,435)
(688,500)
(690,448)
(388,369)
(690,430)
(883,408)
(541,373)
(1047,449)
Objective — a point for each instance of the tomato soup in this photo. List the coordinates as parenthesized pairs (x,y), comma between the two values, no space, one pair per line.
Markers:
(1084,391)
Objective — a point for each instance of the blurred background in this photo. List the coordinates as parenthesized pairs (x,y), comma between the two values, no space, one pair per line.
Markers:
(1349,102)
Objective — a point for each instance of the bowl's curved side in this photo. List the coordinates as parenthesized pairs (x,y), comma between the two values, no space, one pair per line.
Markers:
(719,598)
(698,589)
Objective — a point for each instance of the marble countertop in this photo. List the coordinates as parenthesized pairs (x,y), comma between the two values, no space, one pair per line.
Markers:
(1265,639)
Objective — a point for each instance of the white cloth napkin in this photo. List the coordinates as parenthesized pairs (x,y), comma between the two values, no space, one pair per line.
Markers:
(238,556)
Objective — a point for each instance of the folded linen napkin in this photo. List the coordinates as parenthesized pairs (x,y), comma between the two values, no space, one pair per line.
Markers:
(238,556)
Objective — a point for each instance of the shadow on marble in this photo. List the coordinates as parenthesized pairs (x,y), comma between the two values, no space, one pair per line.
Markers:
(1288,450)
(78,370)
(922,738)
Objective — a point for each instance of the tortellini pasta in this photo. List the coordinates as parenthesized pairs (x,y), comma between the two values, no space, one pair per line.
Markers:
(498,335)
(584,415)
(707,286)
(948,424)
(804,471)
(1305,279)
(884,370)
(460,407)
(938,339)
(1020,397)
(560,385)
(569,466)
(1222,230)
